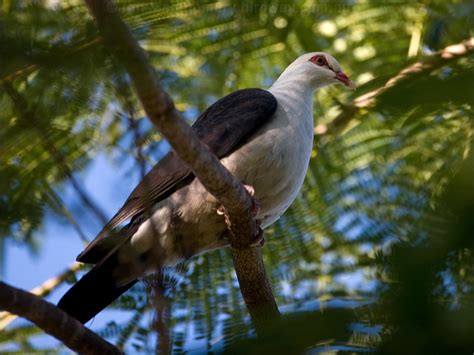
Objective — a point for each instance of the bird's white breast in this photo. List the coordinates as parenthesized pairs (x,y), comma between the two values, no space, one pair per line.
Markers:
(276,158)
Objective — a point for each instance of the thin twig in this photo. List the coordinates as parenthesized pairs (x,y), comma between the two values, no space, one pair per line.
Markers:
(70,217)
(137,142)
(156,288)
(31,68)
(156,291)
(27,116)
(53,321)
(428,64)
(160,109)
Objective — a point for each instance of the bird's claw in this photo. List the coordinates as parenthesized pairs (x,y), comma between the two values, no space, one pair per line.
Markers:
(250,190)
(255,206)
(259,239)
(221,211)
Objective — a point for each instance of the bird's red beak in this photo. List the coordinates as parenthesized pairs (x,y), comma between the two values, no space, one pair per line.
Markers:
(345,80)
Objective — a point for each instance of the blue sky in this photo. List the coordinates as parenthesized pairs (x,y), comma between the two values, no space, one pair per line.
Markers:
(108,184)
(60,244)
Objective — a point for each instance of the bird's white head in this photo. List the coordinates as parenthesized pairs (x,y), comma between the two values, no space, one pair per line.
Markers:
(318,69)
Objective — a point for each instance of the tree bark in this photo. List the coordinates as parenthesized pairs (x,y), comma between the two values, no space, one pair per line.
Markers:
(42,290)
(227,189)
(53,321)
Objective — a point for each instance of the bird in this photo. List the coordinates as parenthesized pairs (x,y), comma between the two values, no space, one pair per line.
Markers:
(264,137)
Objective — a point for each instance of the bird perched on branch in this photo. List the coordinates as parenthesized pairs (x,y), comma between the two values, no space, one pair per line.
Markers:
(263,137)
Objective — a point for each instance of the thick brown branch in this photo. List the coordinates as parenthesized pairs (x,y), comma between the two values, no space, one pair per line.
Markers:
(424,66)
(53,321)
(42,290)
(205,165)
(161,111)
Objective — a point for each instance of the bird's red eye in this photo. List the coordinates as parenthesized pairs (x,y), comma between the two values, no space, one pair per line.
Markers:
(319,60)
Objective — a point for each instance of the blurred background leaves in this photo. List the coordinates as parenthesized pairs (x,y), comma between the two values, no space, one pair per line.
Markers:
(375,254)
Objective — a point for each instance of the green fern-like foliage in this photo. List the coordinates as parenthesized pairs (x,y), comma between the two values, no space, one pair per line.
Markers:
(366,217)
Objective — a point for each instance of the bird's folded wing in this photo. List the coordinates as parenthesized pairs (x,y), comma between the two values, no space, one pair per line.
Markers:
(224,127)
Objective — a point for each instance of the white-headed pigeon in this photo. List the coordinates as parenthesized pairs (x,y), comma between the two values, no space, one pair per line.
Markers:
(264,137)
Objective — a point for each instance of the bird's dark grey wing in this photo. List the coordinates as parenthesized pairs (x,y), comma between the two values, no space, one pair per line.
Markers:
(224,127)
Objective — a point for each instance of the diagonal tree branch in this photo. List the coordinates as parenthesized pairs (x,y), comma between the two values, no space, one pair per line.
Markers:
(53,321)
(42,290)
(205,165)
(428,64)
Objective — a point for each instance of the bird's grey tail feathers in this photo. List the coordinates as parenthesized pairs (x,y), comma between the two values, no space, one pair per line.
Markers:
(94,291)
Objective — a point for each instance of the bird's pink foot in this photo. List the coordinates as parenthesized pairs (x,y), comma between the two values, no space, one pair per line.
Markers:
(256,206)
(250,190)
